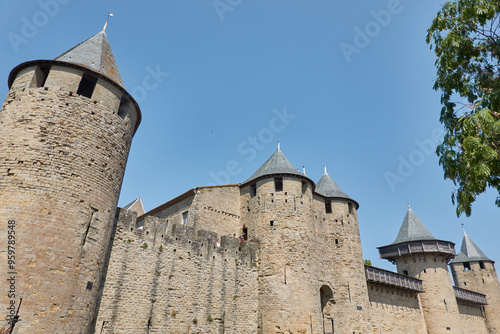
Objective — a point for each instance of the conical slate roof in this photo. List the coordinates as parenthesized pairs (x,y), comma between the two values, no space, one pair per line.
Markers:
(469,252)
(276,164)
(412,229)
(328,188)
(95,54)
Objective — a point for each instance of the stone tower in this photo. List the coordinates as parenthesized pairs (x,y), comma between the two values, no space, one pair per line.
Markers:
(302,236)
(65,132)
(418,254)
(341,260)
(472,269)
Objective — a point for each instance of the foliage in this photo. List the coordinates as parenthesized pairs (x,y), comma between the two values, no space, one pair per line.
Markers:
(465,38)
(368,262)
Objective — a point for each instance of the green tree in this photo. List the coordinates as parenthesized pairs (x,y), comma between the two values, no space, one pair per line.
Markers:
(465,37)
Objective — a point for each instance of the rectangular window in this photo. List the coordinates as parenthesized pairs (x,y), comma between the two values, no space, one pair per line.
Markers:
(481,265)
(405,272)
(328,206)
(466,266)
(304,187)
(185,218)
(87,86)
(253,190)
(124,107)
(278,184)
(351,208)
(41,74)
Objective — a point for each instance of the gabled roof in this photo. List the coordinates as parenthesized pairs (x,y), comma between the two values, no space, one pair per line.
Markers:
(135,205)
(95,54)
(469,252)
(328,188)
(412,229)
(276,164)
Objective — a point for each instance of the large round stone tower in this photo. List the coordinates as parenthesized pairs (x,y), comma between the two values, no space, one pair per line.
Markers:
(418,254)
(303,235)
(472,269)
(65,132)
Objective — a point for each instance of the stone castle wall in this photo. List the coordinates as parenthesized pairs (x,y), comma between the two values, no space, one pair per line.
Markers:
(182,282)
(394,309)
(473,321)
(182,279)
(212,208)
(483,280)
(62,159)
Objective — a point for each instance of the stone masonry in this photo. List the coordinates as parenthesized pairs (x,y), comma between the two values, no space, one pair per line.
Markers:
(277,253)
(63,152)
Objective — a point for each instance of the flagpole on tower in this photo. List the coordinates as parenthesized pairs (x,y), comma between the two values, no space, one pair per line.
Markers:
(106,24)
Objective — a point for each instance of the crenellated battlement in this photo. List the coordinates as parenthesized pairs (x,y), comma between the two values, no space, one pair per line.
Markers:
(152,235)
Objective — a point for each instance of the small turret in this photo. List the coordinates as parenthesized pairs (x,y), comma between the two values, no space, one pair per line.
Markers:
(473,270)
(277,200)
(417,253)
(335,214)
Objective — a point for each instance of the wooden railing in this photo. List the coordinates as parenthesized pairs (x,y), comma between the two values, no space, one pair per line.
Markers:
(470,296)
(390,252)
(382,276)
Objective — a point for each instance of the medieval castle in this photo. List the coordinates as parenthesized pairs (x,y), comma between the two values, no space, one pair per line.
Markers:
(277,253)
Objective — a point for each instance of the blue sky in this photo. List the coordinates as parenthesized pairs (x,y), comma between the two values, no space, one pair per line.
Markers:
(343,83)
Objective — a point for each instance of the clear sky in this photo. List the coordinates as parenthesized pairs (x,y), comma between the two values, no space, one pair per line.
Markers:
(343,83)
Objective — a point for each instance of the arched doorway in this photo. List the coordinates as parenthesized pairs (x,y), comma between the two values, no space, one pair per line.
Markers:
(326,295)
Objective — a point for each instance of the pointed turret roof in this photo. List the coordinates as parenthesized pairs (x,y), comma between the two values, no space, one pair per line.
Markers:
(276,164)
(412,229)
(328,188)
(415,238)
(469,252)
(95,54)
